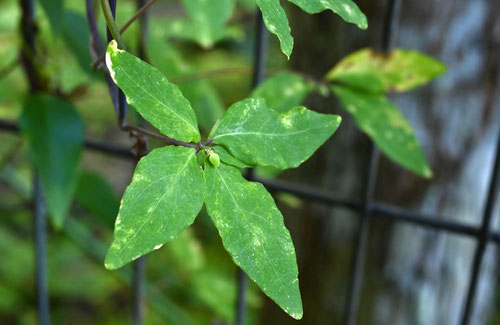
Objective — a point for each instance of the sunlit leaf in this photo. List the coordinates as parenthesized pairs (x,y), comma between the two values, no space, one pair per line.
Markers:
(253,232)
(203,97)
(160,102)
(163,199)
(258,135)
(229,159)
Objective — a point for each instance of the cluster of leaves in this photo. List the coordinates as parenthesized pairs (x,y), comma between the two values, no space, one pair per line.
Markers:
(361,81)
(171,184)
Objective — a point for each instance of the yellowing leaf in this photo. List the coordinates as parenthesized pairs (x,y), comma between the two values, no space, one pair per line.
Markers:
(400,70)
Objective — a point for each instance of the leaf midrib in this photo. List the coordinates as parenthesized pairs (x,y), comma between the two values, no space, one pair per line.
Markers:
(254,234)
(261,134)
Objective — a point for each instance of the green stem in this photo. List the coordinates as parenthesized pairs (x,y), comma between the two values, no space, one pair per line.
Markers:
(110,21)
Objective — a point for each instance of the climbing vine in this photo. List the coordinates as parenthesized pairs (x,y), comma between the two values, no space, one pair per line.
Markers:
(208,147)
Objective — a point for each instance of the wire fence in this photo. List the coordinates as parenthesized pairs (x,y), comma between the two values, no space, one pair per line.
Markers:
(366,207)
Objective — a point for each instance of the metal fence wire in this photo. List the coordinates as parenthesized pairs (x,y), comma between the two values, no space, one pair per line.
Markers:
(367,207)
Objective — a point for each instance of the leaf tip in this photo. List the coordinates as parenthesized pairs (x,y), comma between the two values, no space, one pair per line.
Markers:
(113,46)
(109,264)
(112,260)
(363,24)
(297,314)
(112,49)
(443,68)
(427,173)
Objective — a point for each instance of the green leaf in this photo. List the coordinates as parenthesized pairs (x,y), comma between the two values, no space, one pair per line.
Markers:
(208,20)
(258,135)
(160,102)
(401,70)
(346,9)
(54,10)
(229,159)
(96,195)
(277,23)
(386,126)
(253,232)
(283,91)
(163,199)
(54,131)
(203,97)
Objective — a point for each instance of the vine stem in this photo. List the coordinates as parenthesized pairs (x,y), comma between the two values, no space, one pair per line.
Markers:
(138,14)
(161,137)
(110,21)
